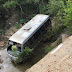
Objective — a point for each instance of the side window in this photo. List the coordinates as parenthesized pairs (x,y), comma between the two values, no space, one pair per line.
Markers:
(26,44)
(42,28)
(36,35)
(40,31)
(47,23)
(31,41)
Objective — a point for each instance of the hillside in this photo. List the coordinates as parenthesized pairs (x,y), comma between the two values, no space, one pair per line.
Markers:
(15,12)
(58,61)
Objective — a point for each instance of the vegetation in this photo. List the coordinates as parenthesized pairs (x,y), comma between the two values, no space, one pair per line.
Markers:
(26,9)
(2,32)
(24,55)
(55,6)
(17,26)
(48,48)
(59,10)
(68,16)
(14,48)
(62,12)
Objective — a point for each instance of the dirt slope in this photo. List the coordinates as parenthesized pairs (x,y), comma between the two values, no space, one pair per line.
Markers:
(59,61)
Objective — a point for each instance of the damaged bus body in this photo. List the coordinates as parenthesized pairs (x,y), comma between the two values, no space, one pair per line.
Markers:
(29,35)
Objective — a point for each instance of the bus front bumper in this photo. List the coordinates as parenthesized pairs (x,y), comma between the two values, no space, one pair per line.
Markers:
(13,58)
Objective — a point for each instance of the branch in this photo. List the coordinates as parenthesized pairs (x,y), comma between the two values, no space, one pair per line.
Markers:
(21,9)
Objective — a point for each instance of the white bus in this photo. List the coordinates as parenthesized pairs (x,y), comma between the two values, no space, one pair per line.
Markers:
(30,34)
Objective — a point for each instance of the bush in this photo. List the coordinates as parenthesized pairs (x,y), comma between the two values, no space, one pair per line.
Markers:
(17,26)
(53,45)
(2,32)
(53,34)
(14,48)
(24,54)
(68,16)
(48,49)
(54,6)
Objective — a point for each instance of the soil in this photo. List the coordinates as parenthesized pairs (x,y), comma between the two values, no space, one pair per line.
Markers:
(6,36)
(60,61)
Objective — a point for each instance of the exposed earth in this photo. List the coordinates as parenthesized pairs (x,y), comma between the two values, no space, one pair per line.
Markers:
(5,37)
(58,60)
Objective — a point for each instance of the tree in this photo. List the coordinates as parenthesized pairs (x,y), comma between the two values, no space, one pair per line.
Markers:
(68,16)
(54,6)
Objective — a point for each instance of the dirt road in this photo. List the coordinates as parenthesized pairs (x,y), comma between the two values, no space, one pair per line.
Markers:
(6,65)
(58,60)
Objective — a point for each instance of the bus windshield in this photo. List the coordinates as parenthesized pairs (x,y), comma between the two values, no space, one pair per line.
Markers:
(10,43)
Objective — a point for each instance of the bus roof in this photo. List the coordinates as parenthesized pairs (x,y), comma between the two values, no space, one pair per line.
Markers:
(24,33)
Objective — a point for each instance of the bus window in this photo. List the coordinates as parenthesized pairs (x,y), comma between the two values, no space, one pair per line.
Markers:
(25,45)
(10,42)
(40,31)
(36,35)
(19,46)
(47,23)
(31,40)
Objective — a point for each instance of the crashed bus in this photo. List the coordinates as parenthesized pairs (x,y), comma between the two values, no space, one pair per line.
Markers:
(29,35)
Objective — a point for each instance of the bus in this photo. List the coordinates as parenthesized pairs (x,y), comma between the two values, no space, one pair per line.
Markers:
(29,35)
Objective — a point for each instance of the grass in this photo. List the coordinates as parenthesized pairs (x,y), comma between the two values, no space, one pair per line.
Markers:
(48,48)
(17,26)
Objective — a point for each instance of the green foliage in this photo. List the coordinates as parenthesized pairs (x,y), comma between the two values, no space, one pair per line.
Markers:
(14,53)
(48,48)
(53,34)
(2,32)
(60,9)
(68,16)
(17,26)
(26,51)
(54,6)
(9,4)
(42,7)
(14,48)
(24,54)
(64,1)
